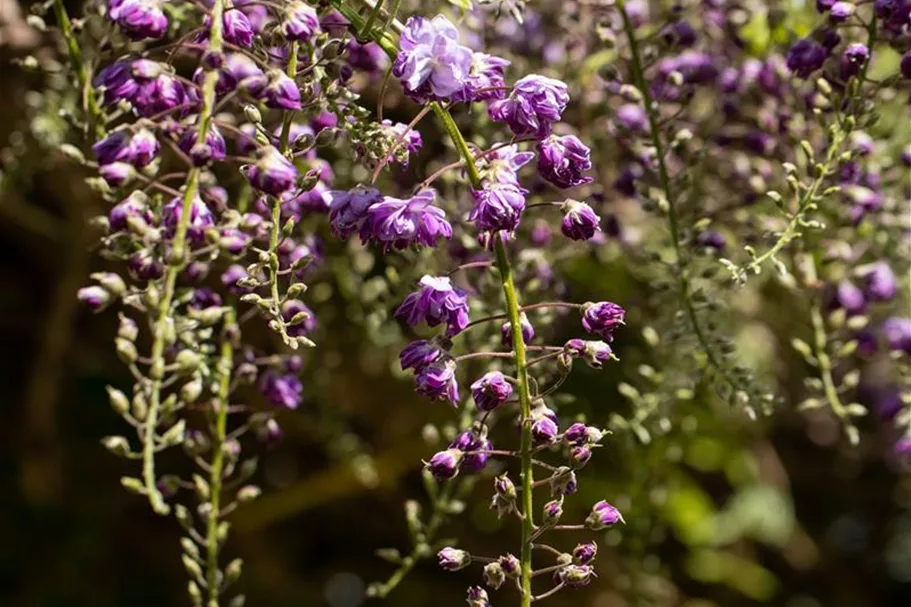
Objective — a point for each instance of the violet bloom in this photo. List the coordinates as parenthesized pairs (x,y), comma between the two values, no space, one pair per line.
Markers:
(281,92)
(544,431)
(898,334)
(853,60)
(237,28)
(281,390)
(602,318)
(563,160)
(841,12)
(117,174)
(486,79)
(502,165)
(580,222)
(240,72)
(575,576)
(477,597)
(139,19)
(880,284)
(474,450)
(491,391)
(498,206)
(203,153)
(272,173)
(805,57)
(233,241)
(603,515)
(200,218)
(528,331)
(534,104)
(300,22)
(397,224)
(418,354)
(632,117)
(438,382)
(848,297)
(136,148)
(445,464)
(436,302)
(431,63)
(348,209)
(230,277)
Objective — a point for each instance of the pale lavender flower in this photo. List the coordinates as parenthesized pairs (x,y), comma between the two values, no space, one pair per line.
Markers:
(534,104)
(485,79)
(431,63)
(879,282)
(498,206)
(397,224)
(563,160)
(436,302)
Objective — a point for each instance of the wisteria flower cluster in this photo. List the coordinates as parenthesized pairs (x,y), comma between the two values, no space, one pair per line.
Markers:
(211,131)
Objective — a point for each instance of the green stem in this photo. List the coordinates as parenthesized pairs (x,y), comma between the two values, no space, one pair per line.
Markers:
(77,62)
(680,273)
(225,364)
(371,18)
(175,264)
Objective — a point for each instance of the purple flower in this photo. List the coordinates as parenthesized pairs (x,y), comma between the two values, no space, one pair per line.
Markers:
(528,331)
(633,118)
(143,266)
(136,148)
(805,57)
(880,282)
(281,390)
(841,12)
(272,173)
(445,464)
(711,240)
(281,92)
(544,430)
(204,298)
(491,391)
(438,382)
(485,79)
(436,302)
(905,65)
(575,576)
(200,218)
(95,298)
(237,28)
(348,209)
(117,174)
(498,206)
(579,434)
(418,354)
(898,334)
(603,515)
(139,19)
(848,297)
(602,318)
(579,220)
(431,63)
(853,59)
(134,206)
(584,554)
(474,450)
(233,241)
(240,72)
(563,481)
(534,104)
(300,22)
(563,160)
(398,224)
(502,164)
(553,511)
(203,153)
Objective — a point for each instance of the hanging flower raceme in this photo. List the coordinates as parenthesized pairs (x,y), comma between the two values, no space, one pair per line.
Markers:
(431,63)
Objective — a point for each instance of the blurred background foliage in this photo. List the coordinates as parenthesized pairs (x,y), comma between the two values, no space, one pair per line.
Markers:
(720,510)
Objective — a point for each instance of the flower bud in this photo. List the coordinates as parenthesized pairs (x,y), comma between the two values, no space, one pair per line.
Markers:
(563,482)
(603,515)
(188,361)
(111,282)
(553,510)
(494,577)
(248,493)
(544,430)
(453,559)
(579,456)
(445,464)
(510,566)
(126,350)
(119,402)
(127,329)
(477,597)
(576,576)
(190,391)
(95,298)
(584,554)
(117,445)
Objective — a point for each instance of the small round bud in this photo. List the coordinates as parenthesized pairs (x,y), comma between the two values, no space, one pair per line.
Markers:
(453,559)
